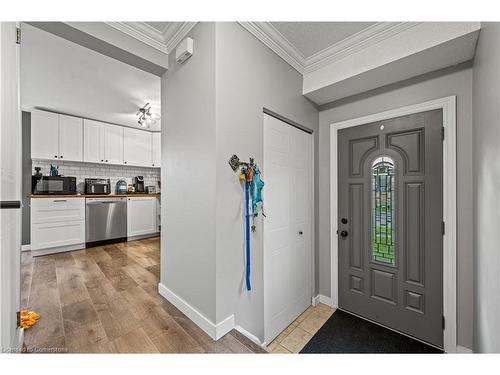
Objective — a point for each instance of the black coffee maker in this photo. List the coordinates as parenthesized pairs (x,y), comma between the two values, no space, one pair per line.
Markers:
(139,184)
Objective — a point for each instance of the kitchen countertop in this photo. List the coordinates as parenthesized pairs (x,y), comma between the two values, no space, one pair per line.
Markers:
(95,195)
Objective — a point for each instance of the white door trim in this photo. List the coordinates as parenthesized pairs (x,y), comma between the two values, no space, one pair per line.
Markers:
(448,105)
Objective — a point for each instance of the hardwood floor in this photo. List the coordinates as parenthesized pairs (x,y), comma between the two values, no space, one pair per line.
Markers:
(105,300)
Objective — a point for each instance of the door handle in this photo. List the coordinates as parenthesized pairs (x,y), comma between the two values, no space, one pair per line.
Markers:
(344,234)
(301,233)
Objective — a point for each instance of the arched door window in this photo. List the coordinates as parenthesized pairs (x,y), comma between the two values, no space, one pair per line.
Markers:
(383,217)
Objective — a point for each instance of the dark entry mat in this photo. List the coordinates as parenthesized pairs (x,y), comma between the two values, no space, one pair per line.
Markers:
(346,333)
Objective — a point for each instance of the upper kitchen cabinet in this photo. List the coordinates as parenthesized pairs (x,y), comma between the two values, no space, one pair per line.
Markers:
(70,138)
(137,147)
(156,149)
(55,136)
(93,141)
(103,143)
(113,144)
(44,135)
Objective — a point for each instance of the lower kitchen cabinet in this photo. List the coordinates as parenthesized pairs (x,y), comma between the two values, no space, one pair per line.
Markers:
(57,224)
(141,217)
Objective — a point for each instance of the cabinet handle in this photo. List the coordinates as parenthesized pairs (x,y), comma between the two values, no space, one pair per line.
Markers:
(102,159)
(106,160)
(59,200)
(55,156)
(124,162)
(61,156)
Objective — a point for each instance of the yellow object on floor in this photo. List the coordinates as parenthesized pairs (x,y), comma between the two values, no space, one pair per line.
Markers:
(29,319)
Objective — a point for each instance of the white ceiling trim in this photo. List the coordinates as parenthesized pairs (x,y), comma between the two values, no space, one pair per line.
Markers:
(164,41)
(148,36)
(272,38)
(174,35)
(357,42)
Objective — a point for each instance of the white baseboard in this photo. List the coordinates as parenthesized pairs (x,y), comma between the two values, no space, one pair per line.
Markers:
(463,350)
(215,331)
(250,336)
(320,298)
(54,250)
(143,236)
(26,247)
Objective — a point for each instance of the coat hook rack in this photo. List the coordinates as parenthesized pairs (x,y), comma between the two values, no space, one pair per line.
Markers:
(235,163)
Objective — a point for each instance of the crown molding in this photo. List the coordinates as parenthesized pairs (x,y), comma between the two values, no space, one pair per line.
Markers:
(141,32)
(164,41)
(357,42)
(272,38)
(175,32)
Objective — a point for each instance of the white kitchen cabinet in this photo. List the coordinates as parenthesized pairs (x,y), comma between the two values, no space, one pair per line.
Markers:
(93,141)
(156,149)
(57,224)
(44,135)
(55,136)
(137,147)
(113,144)
(70,138)
(103,143)
(141,217)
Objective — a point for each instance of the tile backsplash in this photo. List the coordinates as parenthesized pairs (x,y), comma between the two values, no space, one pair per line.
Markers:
(90,170)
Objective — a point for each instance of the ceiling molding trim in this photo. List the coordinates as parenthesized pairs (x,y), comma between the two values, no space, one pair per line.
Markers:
(357,42)
(273,39)
(175,33)
(141,32)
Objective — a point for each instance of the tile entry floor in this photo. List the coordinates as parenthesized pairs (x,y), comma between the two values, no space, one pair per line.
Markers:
(298,334)
(105,300)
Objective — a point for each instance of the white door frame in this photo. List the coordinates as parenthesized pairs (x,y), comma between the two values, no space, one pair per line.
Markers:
(448,105)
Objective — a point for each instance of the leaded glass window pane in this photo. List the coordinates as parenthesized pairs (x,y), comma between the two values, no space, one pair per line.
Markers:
(383,217)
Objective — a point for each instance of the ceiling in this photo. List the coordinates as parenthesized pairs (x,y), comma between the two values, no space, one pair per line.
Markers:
(312,37)
(65,77)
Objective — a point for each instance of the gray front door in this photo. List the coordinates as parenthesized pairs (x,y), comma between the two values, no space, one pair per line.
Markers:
(390,206)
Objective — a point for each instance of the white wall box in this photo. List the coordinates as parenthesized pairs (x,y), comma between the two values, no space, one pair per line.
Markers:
(141,217)
(156,147)
(137,147)
(55,136)
(57,224)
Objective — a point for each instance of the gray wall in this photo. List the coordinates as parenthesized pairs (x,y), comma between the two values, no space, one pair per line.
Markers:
(486,93)
(213,108)
(454,81)
(249,77)
(188,164)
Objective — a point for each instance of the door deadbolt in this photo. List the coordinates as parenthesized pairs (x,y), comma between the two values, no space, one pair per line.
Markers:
(343,220)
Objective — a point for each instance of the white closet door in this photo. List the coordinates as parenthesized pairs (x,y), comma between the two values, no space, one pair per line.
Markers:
(93,145)
(287,173)
(70,138)
(113,144)
(44,135)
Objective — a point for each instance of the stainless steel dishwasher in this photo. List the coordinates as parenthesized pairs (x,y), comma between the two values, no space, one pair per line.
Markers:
(105,220)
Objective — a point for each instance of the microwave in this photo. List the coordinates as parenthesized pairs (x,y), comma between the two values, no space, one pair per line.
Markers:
(97,186)
(41,185)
